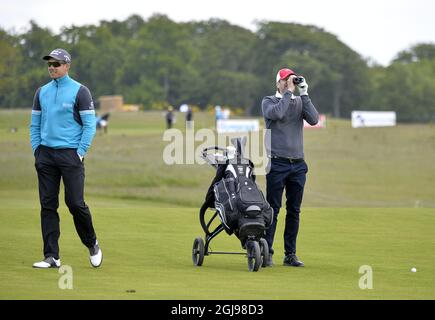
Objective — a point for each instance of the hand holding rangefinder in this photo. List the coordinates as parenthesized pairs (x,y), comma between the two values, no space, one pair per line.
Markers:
(301,84)
(298,80)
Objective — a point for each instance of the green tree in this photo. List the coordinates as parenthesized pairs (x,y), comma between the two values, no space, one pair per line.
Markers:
(158,62)
(159,56)
(422,51)
(409,89)
(34,44)
(224,62)
(9,69)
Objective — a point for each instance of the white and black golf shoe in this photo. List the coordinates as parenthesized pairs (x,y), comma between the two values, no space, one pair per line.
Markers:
(48,262)
(96,255)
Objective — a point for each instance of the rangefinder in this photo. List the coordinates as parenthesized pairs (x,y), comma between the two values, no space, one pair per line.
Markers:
(298,80)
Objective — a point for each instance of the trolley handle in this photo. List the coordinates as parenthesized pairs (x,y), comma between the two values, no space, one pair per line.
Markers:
(212,158)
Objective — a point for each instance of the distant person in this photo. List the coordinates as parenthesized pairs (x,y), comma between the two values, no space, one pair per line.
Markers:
(61,132)
(284,114)
(218,113)
(170,117)
(189,117)
(102,122)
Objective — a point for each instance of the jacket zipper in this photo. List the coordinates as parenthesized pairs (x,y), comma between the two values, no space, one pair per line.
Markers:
(57,88)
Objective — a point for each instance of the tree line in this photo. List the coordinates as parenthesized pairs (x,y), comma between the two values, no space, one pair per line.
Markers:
(158,62)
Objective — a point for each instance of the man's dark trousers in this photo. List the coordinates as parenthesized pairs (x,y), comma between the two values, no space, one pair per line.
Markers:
(289,176)
(52,165)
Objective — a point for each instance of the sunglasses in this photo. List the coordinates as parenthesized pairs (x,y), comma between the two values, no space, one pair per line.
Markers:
(55,64)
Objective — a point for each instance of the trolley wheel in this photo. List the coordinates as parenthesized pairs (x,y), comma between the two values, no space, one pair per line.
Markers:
(254,255)
(198,251)
(264,249)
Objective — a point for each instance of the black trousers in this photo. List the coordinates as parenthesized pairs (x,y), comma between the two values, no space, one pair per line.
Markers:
(291,177)
(52,165)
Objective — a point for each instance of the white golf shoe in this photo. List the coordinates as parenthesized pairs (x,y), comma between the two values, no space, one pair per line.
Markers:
(48,262)
(96,255)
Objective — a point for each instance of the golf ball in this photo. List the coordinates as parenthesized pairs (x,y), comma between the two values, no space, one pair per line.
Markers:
(413,269)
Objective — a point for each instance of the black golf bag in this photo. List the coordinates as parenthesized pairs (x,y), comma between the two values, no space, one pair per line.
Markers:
(241,205)
(234,196)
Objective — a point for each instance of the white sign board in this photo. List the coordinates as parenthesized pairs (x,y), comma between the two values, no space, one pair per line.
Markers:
(236,125)
(373,119)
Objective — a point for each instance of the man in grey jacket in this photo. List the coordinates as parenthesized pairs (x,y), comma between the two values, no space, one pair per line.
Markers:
(284,114)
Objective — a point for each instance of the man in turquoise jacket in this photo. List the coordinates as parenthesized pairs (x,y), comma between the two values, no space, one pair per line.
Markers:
(61,132)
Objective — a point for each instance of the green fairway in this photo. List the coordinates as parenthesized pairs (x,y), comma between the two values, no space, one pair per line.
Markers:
(370,200)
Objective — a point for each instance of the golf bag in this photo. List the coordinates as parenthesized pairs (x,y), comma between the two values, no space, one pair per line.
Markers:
(239,202)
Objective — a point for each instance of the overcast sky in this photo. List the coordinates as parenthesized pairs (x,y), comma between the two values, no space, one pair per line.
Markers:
(377,29)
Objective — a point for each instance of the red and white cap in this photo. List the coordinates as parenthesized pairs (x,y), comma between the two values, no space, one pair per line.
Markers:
(284,73)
